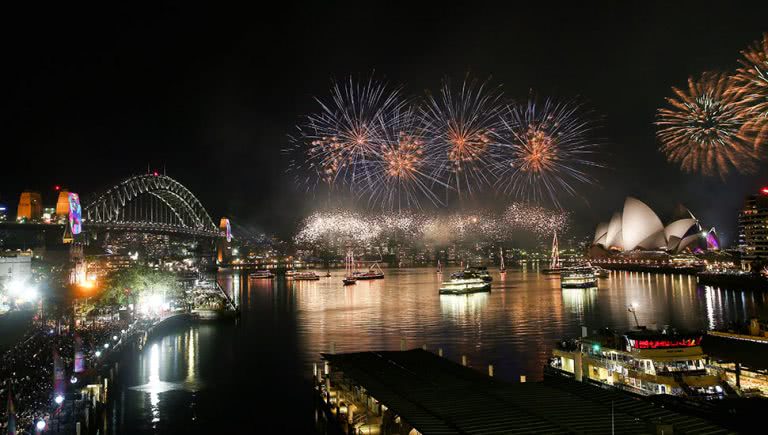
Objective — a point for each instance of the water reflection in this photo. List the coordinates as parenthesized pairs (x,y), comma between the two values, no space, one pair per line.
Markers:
(167,365)
(463,309)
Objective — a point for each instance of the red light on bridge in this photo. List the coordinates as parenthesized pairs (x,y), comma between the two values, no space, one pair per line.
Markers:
(155,174)
(57,187)
(764,190)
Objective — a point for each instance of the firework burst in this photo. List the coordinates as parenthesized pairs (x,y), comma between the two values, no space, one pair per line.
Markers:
(543,150)
(402,171)
(702,129)
(751,85)
(460,124)
(337,144)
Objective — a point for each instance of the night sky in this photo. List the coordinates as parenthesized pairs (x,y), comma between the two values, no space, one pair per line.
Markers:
(92,95)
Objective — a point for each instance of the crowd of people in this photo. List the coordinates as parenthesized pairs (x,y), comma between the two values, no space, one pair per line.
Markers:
(27,368)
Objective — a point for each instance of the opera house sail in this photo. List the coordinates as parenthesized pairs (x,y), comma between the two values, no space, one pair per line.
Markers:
(638,228)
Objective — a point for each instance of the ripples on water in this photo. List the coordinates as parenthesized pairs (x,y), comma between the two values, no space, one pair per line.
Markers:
(206,369)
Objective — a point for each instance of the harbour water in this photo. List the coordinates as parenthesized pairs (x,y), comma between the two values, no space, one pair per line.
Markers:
(211,377)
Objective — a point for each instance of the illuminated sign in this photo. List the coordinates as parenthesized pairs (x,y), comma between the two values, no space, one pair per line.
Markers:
(663,343)
(75,217)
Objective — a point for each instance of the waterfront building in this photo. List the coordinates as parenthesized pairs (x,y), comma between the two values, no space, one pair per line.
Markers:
(638,227)
(30,206)
(753,227)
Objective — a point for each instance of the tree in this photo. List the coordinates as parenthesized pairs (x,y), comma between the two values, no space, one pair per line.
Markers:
(127,286)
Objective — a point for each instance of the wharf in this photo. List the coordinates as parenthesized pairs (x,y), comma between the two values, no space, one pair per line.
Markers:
(399,392)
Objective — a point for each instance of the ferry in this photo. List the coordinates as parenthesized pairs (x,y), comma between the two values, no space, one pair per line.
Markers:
(305,276)
(262,274)
(578,277)
(754,331)
(469,283)
(641,361)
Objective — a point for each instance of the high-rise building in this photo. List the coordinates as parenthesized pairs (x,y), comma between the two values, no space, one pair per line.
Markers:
(30,206)
(753,227)
(62,204)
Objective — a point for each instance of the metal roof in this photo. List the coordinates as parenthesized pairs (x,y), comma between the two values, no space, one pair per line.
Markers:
(438,396)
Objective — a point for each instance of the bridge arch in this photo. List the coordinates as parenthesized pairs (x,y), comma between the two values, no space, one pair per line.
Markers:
(150,202)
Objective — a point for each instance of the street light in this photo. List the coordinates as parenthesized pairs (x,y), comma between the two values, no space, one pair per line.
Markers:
(59,399)
(98,353)
(40,425)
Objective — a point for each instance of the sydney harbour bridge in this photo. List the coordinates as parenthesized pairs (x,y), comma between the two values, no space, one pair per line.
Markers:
(147,203)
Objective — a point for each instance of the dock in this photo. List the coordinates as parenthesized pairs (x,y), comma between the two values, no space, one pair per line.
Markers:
(418,392)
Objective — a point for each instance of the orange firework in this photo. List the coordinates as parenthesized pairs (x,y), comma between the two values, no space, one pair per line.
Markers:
(751,85)
(460,122)
(404,160)
(540,151)
(702,130)
(466,147)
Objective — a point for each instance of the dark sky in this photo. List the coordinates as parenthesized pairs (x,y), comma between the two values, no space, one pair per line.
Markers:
(93,94)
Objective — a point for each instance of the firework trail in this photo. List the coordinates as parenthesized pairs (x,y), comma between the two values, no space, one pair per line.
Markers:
(460,123)
(750,84)
(701,130)
(336,145)
(543,150)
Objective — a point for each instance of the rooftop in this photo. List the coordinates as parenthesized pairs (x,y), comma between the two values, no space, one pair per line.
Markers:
(436,395)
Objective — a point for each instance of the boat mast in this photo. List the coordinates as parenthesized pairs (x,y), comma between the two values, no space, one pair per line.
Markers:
(555,252)
(501,255)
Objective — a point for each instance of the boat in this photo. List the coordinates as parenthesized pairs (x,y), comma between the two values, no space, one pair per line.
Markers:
(641,361)
(600,272)
(578,277)
(502,267)
(262,274)
(439,267)
(305,276)
(328,274)
(555,267)
(290,273)
(482,273)
(349,266)
(467,283)
(754,331)
(374,272)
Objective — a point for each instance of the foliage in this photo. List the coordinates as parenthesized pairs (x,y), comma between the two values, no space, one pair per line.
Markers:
(127,286)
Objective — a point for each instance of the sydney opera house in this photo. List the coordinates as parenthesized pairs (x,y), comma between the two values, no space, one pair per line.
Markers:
(638,228)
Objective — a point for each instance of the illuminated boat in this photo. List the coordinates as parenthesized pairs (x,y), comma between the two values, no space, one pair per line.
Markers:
(305,276)
(261,274)
(578,277)
(641,361)
(290,273)
(465,285)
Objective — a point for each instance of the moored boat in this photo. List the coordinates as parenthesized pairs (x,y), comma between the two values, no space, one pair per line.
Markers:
(754,331)
(261,274)
(468,283)
(305,276)
(641,361)
(578,277)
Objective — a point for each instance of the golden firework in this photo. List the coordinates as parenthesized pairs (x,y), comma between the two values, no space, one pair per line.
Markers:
(702,129)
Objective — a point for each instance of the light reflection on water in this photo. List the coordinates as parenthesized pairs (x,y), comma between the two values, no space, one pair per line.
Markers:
(513,327)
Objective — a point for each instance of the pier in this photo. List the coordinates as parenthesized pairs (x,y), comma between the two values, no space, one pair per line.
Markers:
(416,391)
